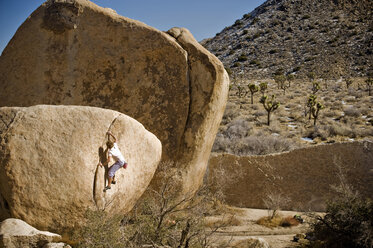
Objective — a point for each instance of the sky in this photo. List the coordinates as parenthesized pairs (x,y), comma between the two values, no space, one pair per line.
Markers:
(204,18)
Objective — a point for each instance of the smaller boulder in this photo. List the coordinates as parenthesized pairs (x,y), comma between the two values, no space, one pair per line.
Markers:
(16,233)
(56,245)
(252,243)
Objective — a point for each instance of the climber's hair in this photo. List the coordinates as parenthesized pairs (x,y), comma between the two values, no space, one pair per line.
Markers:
(109,144)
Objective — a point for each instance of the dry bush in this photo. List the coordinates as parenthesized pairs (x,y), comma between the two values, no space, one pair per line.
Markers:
(258,145)
(275,201)
(365,110)
(238,128)
(229,220)
(270,222)
(331,113)
(100,230)
(289,221)
(317,132)
(277,221)
(352,111)
(163,217)
(338,129)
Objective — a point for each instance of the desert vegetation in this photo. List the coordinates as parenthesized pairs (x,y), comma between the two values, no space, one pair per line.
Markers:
(162,218)
(312,111)
(348,220)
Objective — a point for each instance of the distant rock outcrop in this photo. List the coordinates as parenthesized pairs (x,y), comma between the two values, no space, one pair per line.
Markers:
(74,52)
(15,233)
(304,175)
(49,173)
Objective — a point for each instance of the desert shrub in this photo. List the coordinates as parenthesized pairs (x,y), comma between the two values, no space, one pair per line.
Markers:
(255,20)
(331,113)
(256,35)
(348,222)
(260,113)
(246,16)
(99,230)
(231,111)
(318,132)
(306,17)
(351,111)
(289,221)
(238,128)
(238,23)
(252,145)
(254,62)
(270,222)
(242,58)
(274,202)
(259,145)
(163,217)
(226,220)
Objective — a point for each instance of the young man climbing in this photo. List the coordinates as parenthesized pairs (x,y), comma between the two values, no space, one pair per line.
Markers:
(114,153)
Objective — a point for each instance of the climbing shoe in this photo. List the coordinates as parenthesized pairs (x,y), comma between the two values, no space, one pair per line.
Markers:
(113,182)
(106,188)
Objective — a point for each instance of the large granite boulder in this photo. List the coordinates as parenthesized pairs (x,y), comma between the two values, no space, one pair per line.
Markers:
(74,52)
(304,175)
(15,233)
(49,155)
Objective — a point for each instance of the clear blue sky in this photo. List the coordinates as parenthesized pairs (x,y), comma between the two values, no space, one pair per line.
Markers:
(204,18)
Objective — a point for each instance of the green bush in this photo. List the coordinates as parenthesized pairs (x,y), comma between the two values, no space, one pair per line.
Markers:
(246,16)
(236,64)
(242,58)
(238,23)
(348,222)
(254,62)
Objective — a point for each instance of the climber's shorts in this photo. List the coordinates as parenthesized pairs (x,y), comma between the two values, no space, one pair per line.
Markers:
(116,166)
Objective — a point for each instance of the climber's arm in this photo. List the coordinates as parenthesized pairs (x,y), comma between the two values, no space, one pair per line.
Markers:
(110,134)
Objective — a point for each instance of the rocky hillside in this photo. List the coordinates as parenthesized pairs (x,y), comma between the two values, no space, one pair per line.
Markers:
(332,38)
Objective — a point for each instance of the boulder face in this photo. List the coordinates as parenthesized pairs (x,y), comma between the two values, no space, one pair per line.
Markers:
(49,172)
(16,233)
(304,175)
(73,52)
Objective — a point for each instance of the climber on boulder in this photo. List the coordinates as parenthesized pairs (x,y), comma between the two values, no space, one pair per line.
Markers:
(114,153)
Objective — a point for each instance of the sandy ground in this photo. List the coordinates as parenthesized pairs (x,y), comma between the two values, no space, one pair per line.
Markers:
(244,227)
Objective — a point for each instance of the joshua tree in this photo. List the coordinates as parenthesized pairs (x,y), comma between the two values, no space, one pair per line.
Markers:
(315,87)
(284,86)
(253,89)
(270,105)
(240,91)
(279,79)
(311,76)
(310,104)
(314,108)
(290,78)
(315,111)
(348,82)
(263,87)
(369,83)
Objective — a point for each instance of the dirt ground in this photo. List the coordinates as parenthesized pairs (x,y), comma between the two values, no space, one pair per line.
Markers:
(243,227)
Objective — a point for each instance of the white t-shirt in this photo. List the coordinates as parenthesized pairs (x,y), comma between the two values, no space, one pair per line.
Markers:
(116,154)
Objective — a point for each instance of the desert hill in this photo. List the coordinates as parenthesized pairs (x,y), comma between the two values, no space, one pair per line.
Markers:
(332,38)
